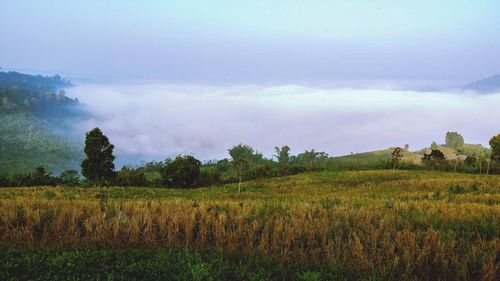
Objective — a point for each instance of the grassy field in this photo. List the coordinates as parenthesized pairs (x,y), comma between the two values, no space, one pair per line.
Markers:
(366,225)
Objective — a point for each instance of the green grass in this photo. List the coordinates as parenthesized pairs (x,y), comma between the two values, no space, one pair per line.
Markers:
(94,263)
(371,155)
(369,185)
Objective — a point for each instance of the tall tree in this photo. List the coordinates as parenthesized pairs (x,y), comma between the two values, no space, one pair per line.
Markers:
(310,159)
(495,148)
(396,156)
(240,164)
(98,166)
(242,151)
(454,140)
(282,154)
(241,155)
(41,177)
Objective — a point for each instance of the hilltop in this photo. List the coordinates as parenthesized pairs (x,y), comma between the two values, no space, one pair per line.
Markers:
(415,157)
(35,83)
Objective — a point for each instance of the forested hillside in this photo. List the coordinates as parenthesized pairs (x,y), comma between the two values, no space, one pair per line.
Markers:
(35,123)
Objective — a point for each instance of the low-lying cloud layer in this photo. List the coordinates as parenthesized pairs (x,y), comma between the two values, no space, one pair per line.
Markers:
(158,120)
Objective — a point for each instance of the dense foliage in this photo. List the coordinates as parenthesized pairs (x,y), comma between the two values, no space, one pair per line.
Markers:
(98,164)
(495,148)
(36,83)
(454,140)
(182,172)
(34,124)
(25,144)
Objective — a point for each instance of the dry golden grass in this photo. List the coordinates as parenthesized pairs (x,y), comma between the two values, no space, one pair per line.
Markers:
(412,225)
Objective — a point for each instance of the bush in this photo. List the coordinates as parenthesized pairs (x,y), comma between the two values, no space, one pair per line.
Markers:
(5,181)
(183,172)
(435,160)
(209,176)
(262,171)
(129,176)
(457,189)
(69,177)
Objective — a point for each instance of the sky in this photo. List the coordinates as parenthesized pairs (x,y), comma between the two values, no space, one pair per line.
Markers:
(282,41)
(167,77)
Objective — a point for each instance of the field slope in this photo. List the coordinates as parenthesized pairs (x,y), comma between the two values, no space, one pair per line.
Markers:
(371,225)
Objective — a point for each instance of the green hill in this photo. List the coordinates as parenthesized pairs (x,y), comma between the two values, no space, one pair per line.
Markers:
(379,155)
(415,157)
(371,155)
(33,83)
(35,118)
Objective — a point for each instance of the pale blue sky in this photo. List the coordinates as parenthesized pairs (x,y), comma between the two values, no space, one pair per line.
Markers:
(253,41)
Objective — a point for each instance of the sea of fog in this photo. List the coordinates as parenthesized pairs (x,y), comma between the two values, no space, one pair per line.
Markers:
(153,121)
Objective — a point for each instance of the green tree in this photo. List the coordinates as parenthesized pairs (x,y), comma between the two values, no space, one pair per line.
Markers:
(396,156)
(246,152)
(283,157)
(435,155)
(471,160)
(310,159)
(495,148)
(454,140)
(182,172)
(282,154)
(70,177)
(435,159)
(240,164)
(223,165)
(241,156)
(241,151)
(41,177)
(98,166)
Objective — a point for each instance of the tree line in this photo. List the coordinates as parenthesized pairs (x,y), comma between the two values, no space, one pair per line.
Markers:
(244,163)
(182,171)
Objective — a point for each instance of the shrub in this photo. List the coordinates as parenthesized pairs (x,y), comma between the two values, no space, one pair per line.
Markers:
(129,176)
(5,181)
(183,172)
(69,177)
(457,189)
(435,160)
(209,176)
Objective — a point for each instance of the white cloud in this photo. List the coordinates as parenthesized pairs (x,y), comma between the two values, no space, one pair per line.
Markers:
(156,120)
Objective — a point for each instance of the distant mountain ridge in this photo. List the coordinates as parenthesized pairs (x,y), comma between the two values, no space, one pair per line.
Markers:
(487,85)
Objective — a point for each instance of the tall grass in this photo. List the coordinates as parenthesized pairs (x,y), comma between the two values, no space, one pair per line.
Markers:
(410,226)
